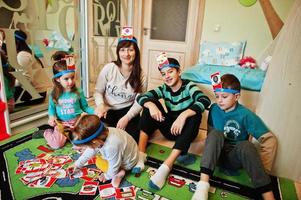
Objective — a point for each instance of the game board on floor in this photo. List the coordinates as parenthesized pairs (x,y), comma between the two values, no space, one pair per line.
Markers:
(31,170)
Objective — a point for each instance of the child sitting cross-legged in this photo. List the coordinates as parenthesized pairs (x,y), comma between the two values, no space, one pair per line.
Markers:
(113,144)
(66,102)
(229,126)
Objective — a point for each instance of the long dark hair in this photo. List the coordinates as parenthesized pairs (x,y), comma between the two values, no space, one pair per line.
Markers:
(21,45)
(135,78)
(59,65)
(7,69)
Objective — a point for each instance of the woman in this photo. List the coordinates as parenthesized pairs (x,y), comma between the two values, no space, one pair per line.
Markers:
(117,87)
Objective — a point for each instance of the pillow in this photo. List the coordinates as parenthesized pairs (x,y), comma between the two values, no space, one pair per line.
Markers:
(221,53)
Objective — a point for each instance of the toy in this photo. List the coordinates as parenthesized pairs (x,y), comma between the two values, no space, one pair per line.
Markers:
(248,62)
(101,163)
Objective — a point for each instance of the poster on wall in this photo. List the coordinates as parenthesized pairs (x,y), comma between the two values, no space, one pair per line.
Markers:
(106,17)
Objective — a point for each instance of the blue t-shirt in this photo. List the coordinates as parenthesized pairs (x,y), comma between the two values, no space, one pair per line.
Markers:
(237,124)
(70,105)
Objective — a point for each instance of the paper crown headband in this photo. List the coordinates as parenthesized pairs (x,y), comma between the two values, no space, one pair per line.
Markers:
(218,86)
(70,66)
(163,61)
(127,35)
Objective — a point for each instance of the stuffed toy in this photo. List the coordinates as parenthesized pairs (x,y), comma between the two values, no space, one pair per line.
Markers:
(248,62)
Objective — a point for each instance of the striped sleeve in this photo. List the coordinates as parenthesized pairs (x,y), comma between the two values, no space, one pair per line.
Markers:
(148,96)
(200,100)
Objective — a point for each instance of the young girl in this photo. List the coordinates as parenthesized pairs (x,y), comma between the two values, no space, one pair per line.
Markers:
(115,146)
(66,102)
(118,84)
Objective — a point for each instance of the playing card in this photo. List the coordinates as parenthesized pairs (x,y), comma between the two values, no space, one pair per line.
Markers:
(89,188)
(31,177)
(77,173)
(106,191)
(92,174)
(126,192)
(20,167)
(59,173)
(44,182)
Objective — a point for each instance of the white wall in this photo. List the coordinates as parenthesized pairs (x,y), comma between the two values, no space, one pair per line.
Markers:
(241,23)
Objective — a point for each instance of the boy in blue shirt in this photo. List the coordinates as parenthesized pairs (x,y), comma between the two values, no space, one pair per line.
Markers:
(227,144)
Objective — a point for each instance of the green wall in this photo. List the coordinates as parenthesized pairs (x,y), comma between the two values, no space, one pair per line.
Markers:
(241,23)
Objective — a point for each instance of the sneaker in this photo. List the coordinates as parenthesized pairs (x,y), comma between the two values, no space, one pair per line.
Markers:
(38,134)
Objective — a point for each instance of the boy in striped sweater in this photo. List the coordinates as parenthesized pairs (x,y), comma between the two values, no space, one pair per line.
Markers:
(185,104)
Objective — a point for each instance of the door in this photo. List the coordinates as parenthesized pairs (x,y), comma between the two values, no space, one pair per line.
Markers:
(171,26)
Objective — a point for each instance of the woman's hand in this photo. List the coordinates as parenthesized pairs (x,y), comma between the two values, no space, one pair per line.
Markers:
(101,111)
(52,121)
(123,122)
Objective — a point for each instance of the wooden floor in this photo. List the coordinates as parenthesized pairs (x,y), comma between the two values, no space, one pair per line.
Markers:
(197,148)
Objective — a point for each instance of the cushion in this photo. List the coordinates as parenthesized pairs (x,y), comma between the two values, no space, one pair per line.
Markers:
(221,53)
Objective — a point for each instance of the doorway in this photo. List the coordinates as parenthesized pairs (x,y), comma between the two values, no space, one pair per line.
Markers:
(171,26)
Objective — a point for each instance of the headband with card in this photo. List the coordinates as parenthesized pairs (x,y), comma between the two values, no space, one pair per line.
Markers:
(163,61)
(217,84)
(70,66)
(127,34)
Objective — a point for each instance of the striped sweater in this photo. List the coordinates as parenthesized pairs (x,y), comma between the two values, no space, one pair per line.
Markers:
(189,96)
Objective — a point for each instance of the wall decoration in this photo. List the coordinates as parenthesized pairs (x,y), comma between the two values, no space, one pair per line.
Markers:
(106,18)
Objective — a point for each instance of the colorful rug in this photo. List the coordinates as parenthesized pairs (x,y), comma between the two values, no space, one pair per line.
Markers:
(30,170)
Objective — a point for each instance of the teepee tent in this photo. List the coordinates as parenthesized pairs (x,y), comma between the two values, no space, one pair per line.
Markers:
(279,102)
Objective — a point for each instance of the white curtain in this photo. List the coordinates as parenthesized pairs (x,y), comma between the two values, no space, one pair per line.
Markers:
(280,99)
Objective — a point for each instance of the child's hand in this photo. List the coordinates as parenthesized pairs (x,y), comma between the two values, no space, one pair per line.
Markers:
(52,121)
(178,125)
(123,122)
(101,111)
(102,178)
(155,112)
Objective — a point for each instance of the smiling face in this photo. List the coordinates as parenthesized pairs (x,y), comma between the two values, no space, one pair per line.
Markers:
(127,55)
(226,101)
(171,77)
(67,81)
